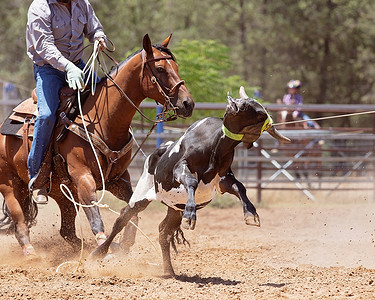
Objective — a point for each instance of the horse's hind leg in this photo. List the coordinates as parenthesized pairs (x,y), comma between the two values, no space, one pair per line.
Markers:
(15,198)
(167,228)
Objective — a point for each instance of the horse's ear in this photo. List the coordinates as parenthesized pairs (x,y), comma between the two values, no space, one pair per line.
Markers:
(147,45)
(166,41)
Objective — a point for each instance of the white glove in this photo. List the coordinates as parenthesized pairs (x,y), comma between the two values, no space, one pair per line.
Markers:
(75,76)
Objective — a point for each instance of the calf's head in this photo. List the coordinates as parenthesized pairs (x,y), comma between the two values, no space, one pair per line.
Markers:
(246,119)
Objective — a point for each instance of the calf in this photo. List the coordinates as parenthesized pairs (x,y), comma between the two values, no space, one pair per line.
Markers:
(186,174)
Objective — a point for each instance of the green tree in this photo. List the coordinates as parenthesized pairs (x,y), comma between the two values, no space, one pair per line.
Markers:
(328,44)
(203,65)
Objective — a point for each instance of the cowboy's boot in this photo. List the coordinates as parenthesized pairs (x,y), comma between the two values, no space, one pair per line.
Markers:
(39,196)
(38,188)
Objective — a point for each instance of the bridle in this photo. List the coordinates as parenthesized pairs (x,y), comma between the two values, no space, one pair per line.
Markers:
(97,143)
(165,91)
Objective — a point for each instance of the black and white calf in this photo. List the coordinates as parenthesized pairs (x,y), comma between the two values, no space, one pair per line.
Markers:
(186,174)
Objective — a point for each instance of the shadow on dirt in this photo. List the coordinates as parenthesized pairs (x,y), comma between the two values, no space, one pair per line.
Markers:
(275,285)
(207,280)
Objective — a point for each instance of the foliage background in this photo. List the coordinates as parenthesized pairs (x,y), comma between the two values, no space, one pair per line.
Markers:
(220,44)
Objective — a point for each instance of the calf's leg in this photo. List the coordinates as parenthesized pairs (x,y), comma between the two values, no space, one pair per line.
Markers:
(167,228)
(190,182)
(122,189)
(126,214)
(229,184)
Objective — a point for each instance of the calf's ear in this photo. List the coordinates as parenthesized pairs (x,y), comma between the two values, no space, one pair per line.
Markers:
(232,105)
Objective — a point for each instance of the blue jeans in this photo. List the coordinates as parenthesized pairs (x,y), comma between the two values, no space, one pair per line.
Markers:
(48,83)
(306,117)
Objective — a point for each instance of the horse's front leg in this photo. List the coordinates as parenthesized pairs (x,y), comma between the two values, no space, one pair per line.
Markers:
(68,213)
(86,193)
(183,175)
(229,184)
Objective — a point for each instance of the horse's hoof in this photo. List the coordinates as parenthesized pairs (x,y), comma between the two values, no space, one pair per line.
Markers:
(28,250)
(33,258)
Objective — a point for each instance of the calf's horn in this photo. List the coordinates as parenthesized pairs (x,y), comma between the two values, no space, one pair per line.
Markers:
(243,94)
(277,135)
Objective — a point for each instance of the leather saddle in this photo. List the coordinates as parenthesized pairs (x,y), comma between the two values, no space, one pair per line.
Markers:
(25,113)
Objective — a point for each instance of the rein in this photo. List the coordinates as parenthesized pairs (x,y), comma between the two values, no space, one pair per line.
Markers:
(162,117)
(113,156)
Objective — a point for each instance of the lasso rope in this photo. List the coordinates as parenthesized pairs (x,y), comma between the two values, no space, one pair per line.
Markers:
(90,69)
(326,118)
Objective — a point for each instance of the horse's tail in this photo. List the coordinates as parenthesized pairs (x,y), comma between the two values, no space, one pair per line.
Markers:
(30,211)
(6,222)
(179,238)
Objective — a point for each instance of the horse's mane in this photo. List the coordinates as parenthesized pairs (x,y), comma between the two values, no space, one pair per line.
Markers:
(157,46)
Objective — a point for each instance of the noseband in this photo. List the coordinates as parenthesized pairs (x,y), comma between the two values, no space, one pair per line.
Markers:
(165,91)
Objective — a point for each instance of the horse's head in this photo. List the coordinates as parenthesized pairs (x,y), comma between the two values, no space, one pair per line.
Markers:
(246,119)
(160,79)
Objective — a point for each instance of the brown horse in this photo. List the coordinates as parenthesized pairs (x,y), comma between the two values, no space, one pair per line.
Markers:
(151,72)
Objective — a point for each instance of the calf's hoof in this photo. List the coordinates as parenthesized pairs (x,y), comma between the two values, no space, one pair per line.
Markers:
(99,252)
(188,223)
(252,219)
(100,238)
(167,276)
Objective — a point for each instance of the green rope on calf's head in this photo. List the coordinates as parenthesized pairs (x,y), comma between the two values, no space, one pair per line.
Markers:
(239,136)
(231,135)
(267,124)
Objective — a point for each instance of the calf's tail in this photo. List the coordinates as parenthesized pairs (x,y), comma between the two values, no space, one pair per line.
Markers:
(179,238)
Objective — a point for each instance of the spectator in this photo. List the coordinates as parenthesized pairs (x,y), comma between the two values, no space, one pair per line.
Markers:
(295,98)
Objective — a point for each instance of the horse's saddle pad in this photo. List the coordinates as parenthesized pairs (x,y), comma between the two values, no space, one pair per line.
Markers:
(27,111)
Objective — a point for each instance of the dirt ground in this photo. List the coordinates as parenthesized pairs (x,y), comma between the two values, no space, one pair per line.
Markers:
(303,250)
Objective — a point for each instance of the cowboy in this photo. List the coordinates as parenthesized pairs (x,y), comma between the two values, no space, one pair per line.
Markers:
(55,40)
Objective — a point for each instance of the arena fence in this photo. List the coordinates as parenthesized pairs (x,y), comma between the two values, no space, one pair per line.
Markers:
(327,159)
